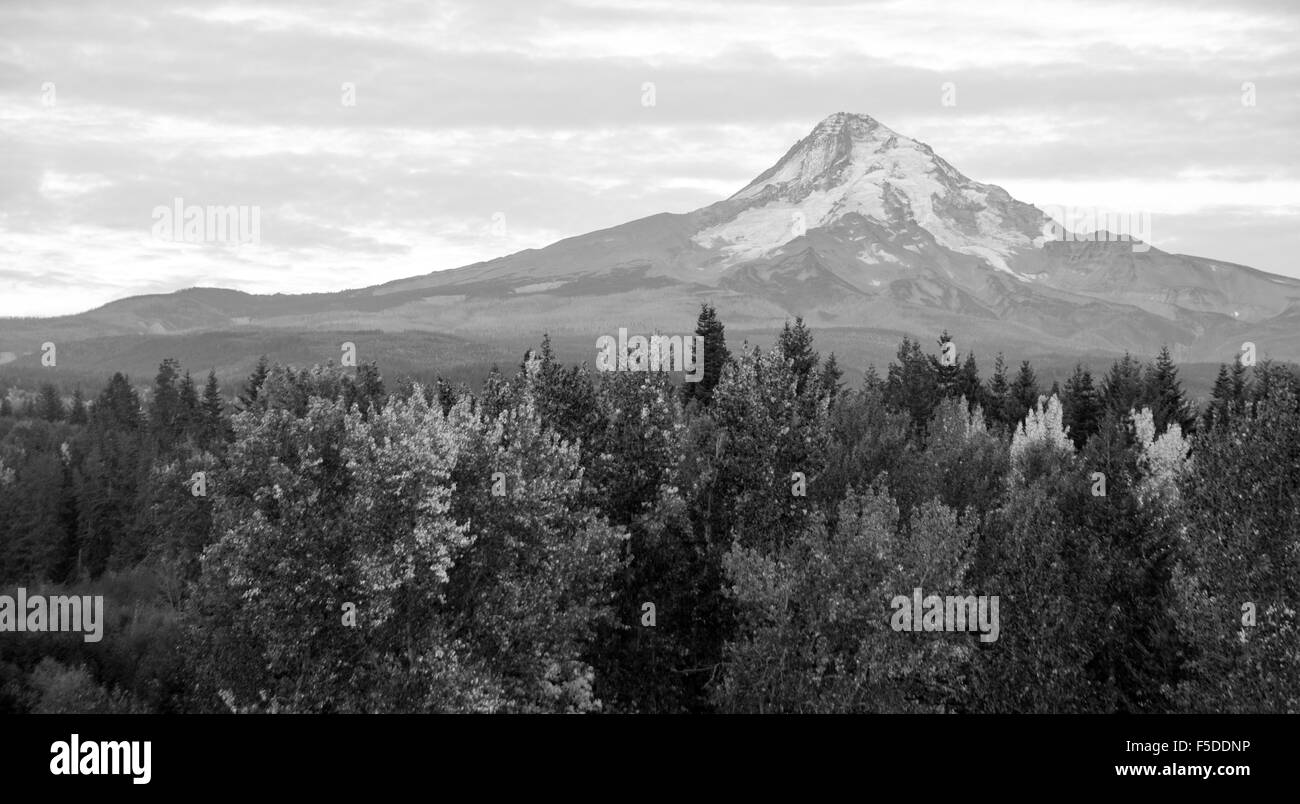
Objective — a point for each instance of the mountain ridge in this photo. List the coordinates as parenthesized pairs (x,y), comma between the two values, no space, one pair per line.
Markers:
(856,225)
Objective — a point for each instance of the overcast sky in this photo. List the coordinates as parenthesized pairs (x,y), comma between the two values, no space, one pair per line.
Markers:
(481,128)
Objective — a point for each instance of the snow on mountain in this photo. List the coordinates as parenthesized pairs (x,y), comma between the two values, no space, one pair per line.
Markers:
(851,163)
(858,228)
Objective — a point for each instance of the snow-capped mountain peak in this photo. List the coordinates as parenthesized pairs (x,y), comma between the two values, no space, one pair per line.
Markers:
(853,164)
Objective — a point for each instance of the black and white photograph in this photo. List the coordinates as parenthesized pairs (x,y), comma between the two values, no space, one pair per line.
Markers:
(636,358)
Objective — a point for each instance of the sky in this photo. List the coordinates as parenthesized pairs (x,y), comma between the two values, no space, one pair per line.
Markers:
(374,141)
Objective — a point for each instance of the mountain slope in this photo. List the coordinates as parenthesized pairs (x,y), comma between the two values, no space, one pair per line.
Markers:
(856,227)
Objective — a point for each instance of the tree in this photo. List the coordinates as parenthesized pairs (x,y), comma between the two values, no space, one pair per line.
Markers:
(248,397)
(815,629)
(1040,437)
(1165,394)
(795,344)
(1230,394)
(998,395)
(50,405)
(78,414)
(1050,577)
(911,384)
(565,397)
(321,514)
(212,411)
(6,409)
(1082,407)
(1023,394)
(188,398)
(1122,389)
(110,476)
(968,385)
(715,358)
(1239,584)
(366,389)
(166,411)
(535,583)
(829,379)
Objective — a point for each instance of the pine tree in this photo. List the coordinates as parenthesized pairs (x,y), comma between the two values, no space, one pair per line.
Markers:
(78,415)
(1218,411)
(118,407)
(110,476)
(6,409)
(253,386)
(968,383)
(998,396)
(796,344)
(910,385)
(1165,395)
(1023,395)
(189,419)
(212,410)
(366,389)
(871,381)
(49,405)
(1082,405)
(1240,386)
(1270,378)
(1122,389)
(715,357)
(165,413)
(829,380)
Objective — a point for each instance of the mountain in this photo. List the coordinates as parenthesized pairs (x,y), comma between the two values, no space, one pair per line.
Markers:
(864,232)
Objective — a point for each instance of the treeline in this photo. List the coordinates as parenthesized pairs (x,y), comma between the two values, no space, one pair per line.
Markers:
(562,541)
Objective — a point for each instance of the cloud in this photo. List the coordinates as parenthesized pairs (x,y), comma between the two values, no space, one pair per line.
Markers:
(531,113)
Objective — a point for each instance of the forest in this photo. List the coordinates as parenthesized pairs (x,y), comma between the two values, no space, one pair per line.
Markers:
(563,540)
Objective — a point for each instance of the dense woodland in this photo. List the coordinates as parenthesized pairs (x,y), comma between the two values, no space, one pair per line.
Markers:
(499,547)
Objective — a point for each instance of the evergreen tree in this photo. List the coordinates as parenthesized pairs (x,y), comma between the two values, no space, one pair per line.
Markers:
(78,414)
(6,409)
(998,395)
(189,420)
(1122,389)
(911,385)
(1164,394)
(1023,395)
(248,397)
(796,344)
(110,476)
(829,380)
(715,357)
(969,386)
(50,405)
(871,381)
(366,389)
(213,412)
(565,397)
(1219,409)
(166,414)
(1082,405)
(1240,386)
(1270,377)
(1240,502)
